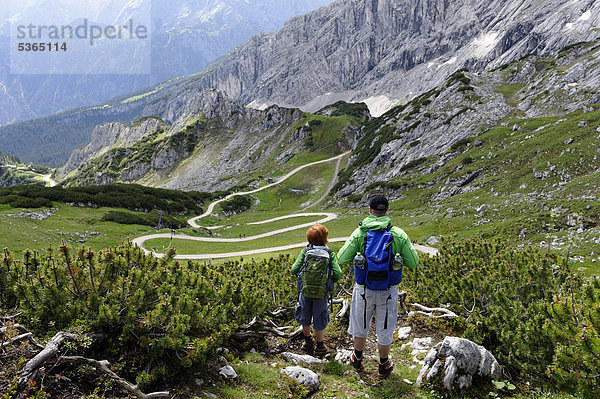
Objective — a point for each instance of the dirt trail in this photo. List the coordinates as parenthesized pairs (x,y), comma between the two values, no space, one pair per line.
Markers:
(139,241)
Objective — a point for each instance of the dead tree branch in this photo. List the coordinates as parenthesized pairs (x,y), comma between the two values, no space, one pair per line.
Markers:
(24,335)
(9,318)
(280,311)
(430,311)
(103,367)
(344,309)
(27,336)
(50,351)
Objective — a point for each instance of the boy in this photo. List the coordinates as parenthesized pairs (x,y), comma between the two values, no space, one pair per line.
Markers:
(312,300)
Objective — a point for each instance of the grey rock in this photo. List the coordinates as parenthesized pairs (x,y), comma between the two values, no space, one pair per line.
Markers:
(482,208)
(525,105)
(299,359)
(303,376)
(343,356)
(582,123)
(466,353)
(433,240)
(431,356)
(404,333)
(523,233)
(34,215)
(460,360)
(435,369)
(450,370)
(227,372)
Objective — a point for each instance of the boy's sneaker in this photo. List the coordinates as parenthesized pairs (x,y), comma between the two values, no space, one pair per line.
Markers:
(321,349)
(355,362)
(308,345)
(385,369)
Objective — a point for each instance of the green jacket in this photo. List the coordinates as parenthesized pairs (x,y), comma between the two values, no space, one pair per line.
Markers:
(356,242)
(335,267)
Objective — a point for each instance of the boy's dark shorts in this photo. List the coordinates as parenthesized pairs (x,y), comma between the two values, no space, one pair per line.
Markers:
(312,311)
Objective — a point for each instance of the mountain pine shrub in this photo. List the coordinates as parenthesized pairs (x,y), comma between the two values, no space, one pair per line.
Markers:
(158,312)
(575,327)
(502,293)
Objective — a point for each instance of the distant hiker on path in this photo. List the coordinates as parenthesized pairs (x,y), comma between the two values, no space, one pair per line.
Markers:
(379,252)
(317,269)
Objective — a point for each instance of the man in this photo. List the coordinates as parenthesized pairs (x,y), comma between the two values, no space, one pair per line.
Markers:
(382,302)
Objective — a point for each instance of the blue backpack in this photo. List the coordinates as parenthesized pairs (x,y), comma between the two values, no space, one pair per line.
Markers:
(377,273)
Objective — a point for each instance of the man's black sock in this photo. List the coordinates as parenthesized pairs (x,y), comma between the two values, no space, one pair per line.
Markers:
(383,360)
(358,354)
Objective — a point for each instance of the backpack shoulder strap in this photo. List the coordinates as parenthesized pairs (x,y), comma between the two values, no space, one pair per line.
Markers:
(306,249)
(389,226)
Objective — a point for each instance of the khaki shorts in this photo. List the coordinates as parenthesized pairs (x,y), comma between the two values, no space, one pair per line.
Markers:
(381,304)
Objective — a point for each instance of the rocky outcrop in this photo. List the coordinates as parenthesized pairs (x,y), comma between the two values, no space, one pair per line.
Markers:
(234,147)
(106,136)
(303,376)
(207,143)
(425,134)
(377,50)
(456,362)
(187,103)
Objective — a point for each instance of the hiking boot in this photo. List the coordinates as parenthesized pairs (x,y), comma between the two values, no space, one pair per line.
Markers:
(355,362)
(308,345)
(385,369)
(321,349)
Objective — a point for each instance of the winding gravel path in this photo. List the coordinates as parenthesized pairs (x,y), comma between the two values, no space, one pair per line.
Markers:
(325,217)
(210,208)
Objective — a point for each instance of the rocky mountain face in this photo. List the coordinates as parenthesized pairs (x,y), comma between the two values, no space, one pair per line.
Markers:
(194,140)
(186,36)
(386,51)
(382,52)
(422,136)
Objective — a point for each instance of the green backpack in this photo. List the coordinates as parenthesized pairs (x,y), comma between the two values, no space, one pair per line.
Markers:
(315,273)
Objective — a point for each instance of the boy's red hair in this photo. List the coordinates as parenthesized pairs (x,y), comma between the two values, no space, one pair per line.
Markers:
(317,235)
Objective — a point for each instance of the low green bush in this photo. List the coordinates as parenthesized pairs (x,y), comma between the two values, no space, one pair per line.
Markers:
(152,220)
(539,318)
(129,196)
(160,320)
(237,204)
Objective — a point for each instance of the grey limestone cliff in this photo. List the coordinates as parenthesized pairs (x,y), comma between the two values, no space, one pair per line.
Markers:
(468,105)
(106,136)
(385,51)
